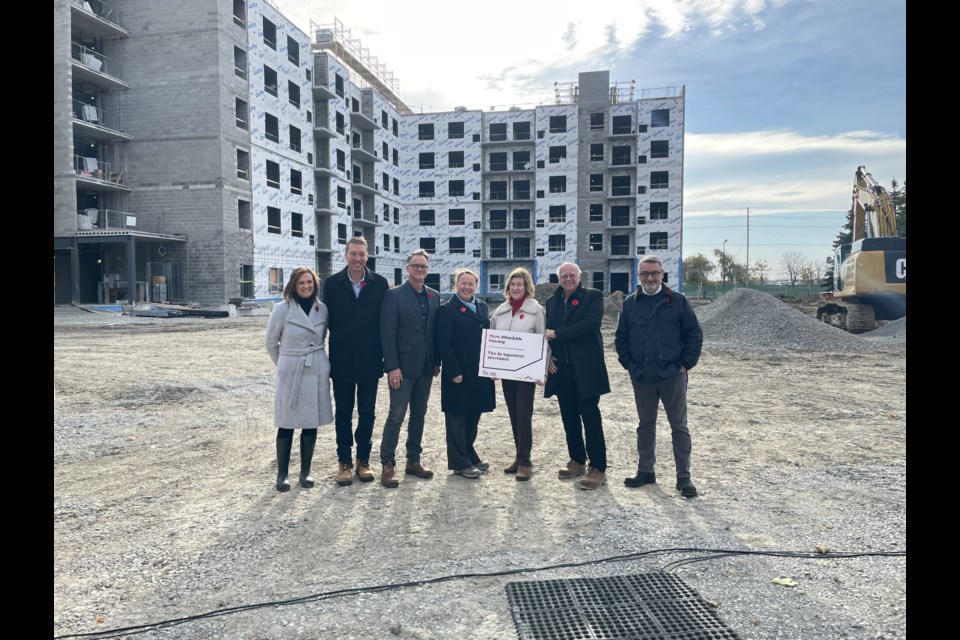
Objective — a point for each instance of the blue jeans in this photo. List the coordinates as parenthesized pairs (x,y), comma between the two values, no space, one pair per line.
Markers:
(413,393)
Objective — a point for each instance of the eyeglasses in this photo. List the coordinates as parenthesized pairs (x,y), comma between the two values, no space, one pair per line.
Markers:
(419,266)
(570,276)
(650,274)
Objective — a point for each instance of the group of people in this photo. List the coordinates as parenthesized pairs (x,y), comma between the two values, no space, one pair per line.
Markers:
(406,333)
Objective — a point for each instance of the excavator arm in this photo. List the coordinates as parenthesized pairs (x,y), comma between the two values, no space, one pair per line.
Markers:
(874,215)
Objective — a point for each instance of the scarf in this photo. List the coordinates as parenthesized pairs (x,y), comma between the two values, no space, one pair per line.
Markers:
(516,304)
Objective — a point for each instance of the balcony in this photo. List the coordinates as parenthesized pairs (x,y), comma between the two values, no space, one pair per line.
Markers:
(501,253)
(364,155)
(504,142)
(107,220)
(322,130)
(96,16)
(362,121)
(621,192)
(620,221)
(99,176)
(96,122)
(364,187)
(94,67)
(323,91)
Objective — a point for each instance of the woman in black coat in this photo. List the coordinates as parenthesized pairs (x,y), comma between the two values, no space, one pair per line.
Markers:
(464,395)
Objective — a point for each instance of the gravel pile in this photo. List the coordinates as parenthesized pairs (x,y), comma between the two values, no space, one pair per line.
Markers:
(753,320)
(891,333)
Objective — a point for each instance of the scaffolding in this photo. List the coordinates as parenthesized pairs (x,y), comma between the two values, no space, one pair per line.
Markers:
(334,37)
(620,92)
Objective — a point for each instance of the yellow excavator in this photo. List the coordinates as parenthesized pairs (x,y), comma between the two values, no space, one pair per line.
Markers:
(870,274)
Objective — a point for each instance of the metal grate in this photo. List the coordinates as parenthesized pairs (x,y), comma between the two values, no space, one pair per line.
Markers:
(649,606)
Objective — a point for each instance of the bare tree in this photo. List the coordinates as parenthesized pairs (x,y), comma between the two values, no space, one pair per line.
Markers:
(806,276)
(793,262)
(759,271)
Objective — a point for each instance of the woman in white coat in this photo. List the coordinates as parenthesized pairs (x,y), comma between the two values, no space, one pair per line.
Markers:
(520,313)
(296,332)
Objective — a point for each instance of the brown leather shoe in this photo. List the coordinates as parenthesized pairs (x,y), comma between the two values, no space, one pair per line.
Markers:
(593,479)
(574,470)
(386,476)
(417,469)
(344,475)
(512,468)
(524,473)
(364,474)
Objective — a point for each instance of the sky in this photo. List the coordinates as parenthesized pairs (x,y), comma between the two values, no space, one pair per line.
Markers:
(784,98)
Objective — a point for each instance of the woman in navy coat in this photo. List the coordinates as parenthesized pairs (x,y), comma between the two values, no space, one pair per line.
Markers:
(464,394)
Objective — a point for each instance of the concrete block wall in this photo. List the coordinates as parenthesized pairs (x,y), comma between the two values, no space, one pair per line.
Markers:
(64,183)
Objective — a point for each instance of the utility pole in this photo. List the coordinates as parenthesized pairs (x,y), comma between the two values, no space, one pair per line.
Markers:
(748,247)
(723,267)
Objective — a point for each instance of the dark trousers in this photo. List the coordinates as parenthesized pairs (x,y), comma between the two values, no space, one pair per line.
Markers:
(413,393)
(518,397)
(461,434)
(366,402)
(672,392)
(581,417)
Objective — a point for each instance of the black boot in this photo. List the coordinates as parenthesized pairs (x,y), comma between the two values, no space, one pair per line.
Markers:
(284,444)
(308,440)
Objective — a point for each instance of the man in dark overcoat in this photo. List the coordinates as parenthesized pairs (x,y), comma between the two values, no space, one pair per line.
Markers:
(354,297)
(578,374)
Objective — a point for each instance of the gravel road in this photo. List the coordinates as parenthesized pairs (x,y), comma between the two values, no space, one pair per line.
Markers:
(164,506)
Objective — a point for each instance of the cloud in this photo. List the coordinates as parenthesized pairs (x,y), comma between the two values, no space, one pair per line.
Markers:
(782,171)
(427,42)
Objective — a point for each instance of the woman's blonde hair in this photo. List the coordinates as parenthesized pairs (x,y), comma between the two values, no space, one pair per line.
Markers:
(469,272)
(520,272)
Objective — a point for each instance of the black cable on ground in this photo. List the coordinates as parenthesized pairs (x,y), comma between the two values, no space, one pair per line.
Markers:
(716,553)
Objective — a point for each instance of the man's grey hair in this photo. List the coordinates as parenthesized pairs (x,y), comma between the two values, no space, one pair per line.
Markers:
(572,264)
(652,257)
(357,240)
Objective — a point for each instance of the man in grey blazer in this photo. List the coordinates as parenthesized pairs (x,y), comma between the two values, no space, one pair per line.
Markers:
(406,334)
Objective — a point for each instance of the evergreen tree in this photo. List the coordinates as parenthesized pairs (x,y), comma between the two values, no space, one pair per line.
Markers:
(898,195)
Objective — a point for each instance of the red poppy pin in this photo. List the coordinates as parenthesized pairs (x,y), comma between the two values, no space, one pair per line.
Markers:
(574,302)
(463,309)
(316,307)
(521,316)
(430,295)
(669,299)
(363,283)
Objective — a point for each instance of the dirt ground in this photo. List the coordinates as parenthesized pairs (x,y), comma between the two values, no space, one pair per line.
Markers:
(164,503)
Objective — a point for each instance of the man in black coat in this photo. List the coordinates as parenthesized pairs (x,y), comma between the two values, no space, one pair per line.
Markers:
(578,374)
(354,297)
(658,341)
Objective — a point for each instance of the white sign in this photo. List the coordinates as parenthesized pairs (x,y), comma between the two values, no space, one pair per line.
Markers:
(513,355)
